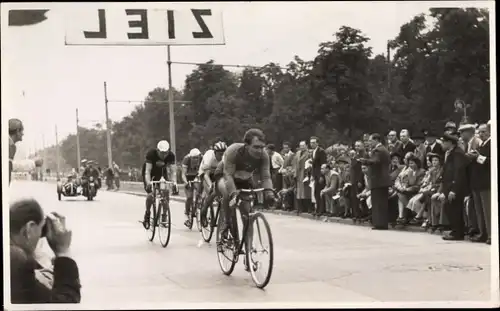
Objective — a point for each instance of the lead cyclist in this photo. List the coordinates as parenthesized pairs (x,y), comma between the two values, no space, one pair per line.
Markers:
(241,161)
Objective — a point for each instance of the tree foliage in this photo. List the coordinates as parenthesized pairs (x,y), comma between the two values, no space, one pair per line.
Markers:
(341,93)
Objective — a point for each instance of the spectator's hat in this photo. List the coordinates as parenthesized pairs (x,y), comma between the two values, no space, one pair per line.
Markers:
(432,155)
(83,161)
(343,159)
(450,125)
(467,127)
(450,137)
(396,154)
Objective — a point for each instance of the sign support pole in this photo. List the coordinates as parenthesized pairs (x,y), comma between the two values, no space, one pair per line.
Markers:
(78,156)
(108,127)
(171,102)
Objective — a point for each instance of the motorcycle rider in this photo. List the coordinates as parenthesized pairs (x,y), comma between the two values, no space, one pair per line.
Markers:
(89,171)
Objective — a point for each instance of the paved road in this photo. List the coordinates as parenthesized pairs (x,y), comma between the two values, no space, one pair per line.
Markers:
(314,261)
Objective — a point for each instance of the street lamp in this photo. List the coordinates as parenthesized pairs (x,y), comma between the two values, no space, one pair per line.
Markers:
(461,106)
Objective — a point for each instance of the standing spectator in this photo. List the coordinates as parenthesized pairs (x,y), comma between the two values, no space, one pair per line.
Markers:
(450,127)
(406,144)
(16,133)
(357,179)
(116,175)
(276,165)
(379,182)
(432,145)
(481,184)
(345,186)
(109,178)
(303,192)
(453,186)
(470,143)
(286,170)
(393,143)
(420,148)
(318,159)
(28,282)
(365,196)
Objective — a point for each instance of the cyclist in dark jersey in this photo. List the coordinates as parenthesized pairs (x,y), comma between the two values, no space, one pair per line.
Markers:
(241,162)
(190,166)
(159,162)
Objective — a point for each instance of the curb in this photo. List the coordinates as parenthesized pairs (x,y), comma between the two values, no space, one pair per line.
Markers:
(338,220)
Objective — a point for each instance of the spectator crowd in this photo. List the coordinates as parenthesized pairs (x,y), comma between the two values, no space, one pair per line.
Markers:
(438,182)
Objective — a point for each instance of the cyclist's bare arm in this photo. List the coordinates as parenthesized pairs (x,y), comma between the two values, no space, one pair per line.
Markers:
(265,174)
(147,173)
(172,172)
(230,168)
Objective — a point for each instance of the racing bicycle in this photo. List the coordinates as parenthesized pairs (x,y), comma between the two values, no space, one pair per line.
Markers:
(212,218)
(160,206)
(195,208)
(255,229)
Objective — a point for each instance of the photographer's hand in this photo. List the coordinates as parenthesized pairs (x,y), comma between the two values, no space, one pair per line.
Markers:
(58,235)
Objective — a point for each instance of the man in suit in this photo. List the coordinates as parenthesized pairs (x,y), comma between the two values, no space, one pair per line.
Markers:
(432,145)
(453,186)
(470,143)
(406,144)
(380,182)
(318,159)
(29,283)
(480,183)
(393,143)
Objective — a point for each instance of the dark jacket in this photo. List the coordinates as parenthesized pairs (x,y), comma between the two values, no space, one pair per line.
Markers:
(26,288)
(356,174)
(404,149)
(480,174)
(318,159)
(454,176)
(379,162)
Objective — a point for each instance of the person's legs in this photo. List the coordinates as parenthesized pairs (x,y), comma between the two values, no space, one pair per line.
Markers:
(149,202)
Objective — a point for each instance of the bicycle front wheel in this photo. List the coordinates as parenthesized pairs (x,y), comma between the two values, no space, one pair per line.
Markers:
(260,256)
(226,248)
(152,222)
(164,223)
(207,232)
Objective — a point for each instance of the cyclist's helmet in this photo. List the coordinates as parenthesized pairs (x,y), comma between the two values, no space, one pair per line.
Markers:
(84,161)
(163,146)
(220,146)
(194,152)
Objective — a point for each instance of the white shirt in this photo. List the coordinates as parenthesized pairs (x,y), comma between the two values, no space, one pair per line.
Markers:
(277,160)
(208,163)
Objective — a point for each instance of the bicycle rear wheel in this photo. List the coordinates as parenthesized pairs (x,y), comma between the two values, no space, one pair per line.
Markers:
(260,269)
(164,227)
(152,222)
(207,232)
(226,257)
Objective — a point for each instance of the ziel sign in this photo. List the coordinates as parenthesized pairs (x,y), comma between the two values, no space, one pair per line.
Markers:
(144,27)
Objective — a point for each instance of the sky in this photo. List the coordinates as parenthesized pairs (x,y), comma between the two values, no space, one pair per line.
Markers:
(57,79)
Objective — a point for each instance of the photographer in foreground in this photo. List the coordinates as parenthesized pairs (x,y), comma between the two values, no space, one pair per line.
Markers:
(29,283)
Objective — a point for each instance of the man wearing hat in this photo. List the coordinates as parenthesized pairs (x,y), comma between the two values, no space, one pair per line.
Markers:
(420,149)
(432,145)
(470,143)
(453,186)
(16,133)
(480,184)
(450,127)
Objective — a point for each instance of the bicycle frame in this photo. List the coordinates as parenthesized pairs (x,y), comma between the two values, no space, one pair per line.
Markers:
(162,193)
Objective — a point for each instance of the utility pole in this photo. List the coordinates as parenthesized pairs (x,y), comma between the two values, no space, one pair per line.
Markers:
(108,126)
(388,65)
(171,102)
(78,156)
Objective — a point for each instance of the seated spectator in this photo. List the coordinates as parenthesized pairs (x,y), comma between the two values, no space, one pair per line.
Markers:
(430,184)
(28,282)
(407,185)
(365,195)
(332,182)
(395,169)
(344,187)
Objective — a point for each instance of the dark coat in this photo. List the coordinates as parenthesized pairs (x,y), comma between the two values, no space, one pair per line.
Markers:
(480,174)
(454,176)
(318,160)
(379,162)
(26,288)
(404,149)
